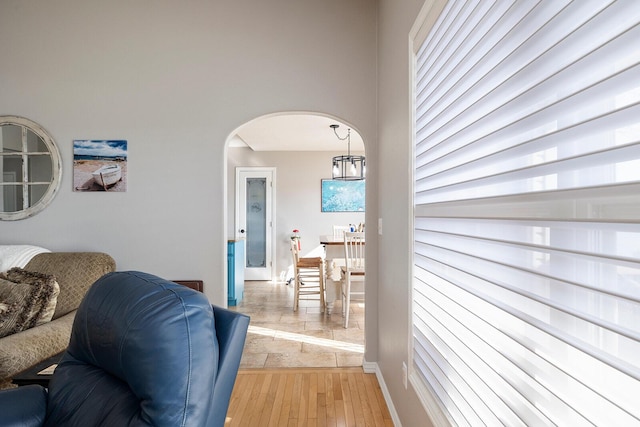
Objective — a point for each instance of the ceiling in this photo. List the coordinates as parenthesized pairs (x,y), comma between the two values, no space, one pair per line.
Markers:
(295,132)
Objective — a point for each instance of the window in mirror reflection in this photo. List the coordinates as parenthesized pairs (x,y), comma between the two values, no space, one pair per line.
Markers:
(30,168)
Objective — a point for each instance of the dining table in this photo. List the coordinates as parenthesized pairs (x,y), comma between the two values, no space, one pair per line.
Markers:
(334,259)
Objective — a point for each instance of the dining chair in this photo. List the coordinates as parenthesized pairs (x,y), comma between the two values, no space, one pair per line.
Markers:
(308,274)
(352,271)
(339,230)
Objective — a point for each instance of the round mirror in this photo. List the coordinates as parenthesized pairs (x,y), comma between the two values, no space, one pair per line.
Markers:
(30,168)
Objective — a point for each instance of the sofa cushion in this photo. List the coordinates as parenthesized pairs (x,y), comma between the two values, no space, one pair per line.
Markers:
(27,299)
(23,350)
(75,272)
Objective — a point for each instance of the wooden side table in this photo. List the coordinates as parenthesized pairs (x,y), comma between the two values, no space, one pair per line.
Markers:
(31,376)
(193,284)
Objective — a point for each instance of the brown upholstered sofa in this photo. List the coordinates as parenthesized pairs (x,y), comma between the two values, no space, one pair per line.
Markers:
(75,273)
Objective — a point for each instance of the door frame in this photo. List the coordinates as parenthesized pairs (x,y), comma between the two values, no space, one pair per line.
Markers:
(270,174)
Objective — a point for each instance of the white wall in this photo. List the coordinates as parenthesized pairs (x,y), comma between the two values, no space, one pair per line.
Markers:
(174,79)
(298,176)
(396,18)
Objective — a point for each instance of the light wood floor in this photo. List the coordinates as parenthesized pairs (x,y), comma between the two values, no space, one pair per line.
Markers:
(302,368)
(307,397)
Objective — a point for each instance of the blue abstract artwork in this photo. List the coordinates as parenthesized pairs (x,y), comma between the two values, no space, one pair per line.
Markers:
(343,196)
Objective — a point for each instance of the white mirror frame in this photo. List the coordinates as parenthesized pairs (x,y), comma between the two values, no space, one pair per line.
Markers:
(56,168)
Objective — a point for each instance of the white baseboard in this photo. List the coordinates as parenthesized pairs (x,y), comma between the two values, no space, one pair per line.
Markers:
(373,368)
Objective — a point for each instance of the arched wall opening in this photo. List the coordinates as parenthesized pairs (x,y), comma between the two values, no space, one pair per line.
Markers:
(300,145)
(302,152)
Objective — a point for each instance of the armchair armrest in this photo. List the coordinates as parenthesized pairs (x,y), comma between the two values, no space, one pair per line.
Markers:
(231,330)
(23,406)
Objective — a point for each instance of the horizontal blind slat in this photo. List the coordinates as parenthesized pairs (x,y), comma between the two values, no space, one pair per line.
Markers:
(622,163)
(454,352)
(609,241)
(497,354)
(511,29)
(533,78)
(613,128)
(610,203)
(433,373)
(487,79)
(537,297)
(540,346)
(485,17)
(559,114)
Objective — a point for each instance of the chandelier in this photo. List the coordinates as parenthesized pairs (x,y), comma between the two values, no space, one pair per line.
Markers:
(347,167)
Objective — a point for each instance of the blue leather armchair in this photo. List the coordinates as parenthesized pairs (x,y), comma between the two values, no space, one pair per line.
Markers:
(143,352)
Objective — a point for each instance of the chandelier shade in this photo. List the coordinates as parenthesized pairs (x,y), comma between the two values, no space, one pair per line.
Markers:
(347,167)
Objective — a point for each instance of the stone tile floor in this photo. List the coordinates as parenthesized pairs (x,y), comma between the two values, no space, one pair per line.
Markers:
(278,337)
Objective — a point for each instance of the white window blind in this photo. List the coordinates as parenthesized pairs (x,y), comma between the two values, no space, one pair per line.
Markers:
(526,284)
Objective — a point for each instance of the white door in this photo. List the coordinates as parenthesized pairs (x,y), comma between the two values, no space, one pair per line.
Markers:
(255,208)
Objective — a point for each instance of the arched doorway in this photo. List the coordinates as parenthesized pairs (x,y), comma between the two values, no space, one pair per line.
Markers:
(300,147)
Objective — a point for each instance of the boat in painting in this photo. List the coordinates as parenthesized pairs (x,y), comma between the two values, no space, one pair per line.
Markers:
(107,175)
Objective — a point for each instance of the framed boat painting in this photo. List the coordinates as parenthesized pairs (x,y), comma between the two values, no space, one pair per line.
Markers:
(343,196)
(100,165)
